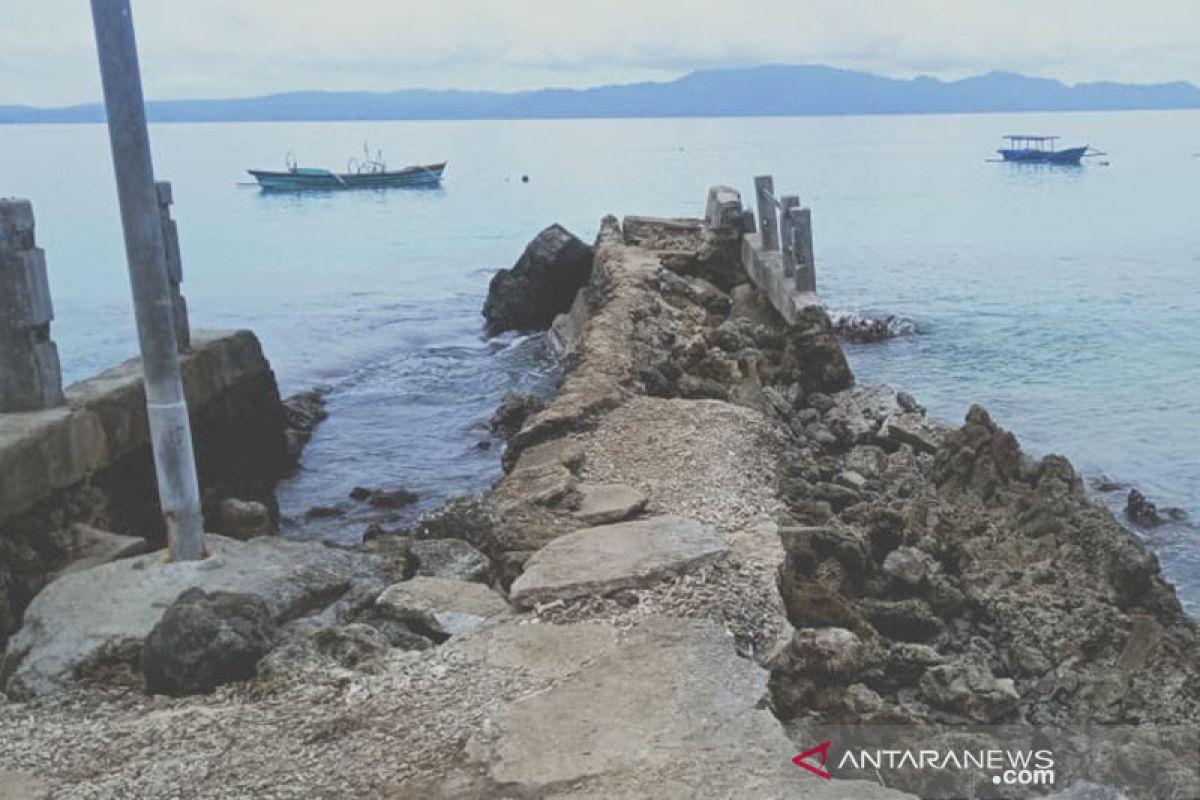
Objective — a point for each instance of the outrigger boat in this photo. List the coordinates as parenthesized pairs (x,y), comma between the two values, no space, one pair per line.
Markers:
(1040,150)
(368,173)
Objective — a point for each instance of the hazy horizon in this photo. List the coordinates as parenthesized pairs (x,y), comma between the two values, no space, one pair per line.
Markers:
(229,48)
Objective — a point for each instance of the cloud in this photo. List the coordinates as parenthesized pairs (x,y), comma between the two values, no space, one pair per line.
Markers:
(241,47)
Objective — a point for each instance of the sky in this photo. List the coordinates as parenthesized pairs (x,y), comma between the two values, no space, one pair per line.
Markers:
(237,48)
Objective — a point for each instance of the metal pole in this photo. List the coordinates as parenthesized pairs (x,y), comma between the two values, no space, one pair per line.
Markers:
(166,406)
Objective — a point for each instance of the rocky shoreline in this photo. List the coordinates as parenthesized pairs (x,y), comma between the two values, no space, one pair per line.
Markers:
(711,538)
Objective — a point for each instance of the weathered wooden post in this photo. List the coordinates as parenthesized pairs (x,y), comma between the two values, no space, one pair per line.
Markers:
(806,272)
(787,242)
(170,235)
(30,376)
(166,405)
(764,194)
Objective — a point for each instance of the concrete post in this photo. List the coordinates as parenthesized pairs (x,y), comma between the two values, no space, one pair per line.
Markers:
(170,235)
(806,272)
(166,406)
(30,376)
(764,194)
(787,241)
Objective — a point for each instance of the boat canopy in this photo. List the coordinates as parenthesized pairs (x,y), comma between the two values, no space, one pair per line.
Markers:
(1031,142)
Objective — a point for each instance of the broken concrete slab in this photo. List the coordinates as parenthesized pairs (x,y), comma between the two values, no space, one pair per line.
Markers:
(602,503)
(606,558)
(442,606)
(542,649)
(81,613)
(672,711)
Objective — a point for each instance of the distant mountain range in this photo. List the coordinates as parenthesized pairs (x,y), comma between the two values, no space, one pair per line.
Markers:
(755,91)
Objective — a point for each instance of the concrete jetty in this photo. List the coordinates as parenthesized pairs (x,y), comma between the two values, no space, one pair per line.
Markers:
(708,551)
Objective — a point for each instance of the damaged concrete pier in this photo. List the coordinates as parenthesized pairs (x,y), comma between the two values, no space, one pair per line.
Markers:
(709,545)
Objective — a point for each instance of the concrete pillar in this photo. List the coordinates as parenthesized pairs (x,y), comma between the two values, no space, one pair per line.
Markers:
(30,375)
(170,237)
(764,194)
(806,266)
(787,239)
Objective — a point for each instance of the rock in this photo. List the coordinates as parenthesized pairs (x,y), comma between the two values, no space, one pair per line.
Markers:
(1103,483)
(909,403)
(850,480)
(302,412)
(79,614)
(672,711)
(1141,511)
(912,429)
(384,498)
(324,512)
(908,565)
(826,651)
(604,559)
(969,689)
(450,558)
(353,646)
(603,503)
(244,519)
(206,640)
(90,547)
(511,415)
(543,283)
(442,606)
(866,327)
(909,620)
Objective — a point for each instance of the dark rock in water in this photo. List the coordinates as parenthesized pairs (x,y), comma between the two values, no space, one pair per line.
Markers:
(324,512)
(302,412)
(511,415)
(207,640)
(862,328)
(541,285)
(1102,483)
(1141,511)
(382,498)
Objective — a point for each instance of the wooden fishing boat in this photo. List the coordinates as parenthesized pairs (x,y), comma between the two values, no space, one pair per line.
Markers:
(370,173)
(1040,150)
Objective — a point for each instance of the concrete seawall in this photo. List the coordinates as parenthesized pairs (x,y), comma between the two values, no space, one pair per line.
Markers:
(89,461)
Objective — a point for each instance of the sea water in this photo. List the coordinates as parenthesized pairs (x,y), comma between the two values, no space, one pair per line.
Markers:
(1064,300)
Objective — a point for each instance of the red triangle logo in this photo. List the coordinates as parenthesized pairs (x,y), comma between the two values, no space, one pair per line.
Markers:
(823,749)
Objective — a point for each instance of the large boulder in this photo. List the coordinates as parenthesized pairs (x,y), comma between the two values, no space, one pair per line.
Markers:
(440,607)
(207,640)
(79,616)
(541,285)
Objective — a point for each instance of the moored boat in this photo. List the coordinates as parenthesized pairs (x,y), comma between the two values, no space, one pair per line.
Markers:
(1040,150)
(370,173)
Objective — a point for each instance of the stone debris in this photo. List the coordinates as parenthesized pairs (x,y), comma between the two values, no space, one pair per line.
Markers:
(626,555)
(602,503)
(450,558)
(441,606)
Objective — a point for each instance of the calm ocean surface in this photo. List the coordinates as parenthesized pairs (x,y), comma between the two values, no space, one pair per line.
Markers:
(1066,301)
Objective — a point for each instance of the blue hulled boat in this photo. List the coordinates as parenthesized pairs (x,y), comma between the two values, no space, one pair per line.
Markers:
(1040,150)
(370,173)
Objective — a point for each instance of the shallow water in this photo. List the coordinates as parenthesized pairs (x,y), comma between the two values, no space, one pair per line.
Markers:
(1062,299)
